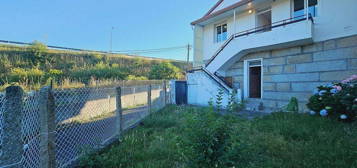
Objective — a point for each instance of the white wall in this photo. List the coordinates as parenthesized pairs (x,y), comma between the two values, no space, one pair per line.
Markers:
(281,9)
(201,88)
(335,19)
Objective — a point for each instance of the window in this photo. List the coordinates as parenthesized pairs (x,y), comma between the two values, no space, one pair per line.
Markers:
(263,20)
(299,9)
(221,33)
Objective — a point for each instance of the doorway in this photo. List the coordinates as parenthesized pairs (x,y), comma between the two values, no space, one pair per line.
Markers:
(181,92)
(253,78)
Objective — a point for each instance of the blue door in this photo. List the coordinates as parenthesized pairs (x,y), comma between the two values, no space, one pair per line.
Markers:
(181,92)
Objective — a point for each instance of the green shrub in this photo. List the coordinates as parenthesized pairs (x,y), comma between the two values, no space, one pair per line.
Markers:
(293,105)
(26,75)
(165,70)
(337,100)
(205,139)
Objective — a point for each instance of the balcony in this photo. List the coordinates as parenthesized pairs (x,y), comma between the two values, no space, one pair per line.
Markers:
(282,34)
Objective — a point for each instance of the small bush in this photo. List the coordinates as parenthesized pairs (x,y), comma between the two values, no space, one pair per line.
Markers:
(293,105)
(337,100)
(206,139)
(26,75)
(165,70)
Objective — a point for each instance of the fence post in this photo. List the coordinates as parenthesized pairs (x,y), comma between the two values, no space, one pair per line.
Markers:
(12,145)
(165,93)
(119,112)
(149,99)
(47,128)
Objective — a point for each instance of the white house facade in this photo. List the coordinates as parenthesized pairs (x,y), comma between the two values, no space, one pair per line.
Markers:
(272,50)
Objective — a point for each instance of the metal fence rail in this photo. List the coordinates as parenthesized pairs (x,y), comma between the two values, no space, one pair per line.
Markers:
(84,120)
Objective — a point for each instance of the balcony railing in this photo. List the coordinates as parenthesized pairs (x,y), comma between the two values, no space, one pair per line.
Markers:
(264,28)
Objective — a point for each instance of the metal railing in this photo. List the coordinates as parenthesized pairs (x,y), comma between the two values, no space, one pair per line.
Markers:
(220,81)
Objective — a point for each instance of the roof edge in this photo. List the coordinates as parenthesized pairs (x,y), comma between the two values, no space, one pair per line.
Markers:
(213,8)
(210,14)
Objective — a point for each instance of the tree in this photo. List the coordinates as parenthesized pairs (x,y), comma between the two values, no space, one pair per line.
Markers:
(164,70)
(38,54)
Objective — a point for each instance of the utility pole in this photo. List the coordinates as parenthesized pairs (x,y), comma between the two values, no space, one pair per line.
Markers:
(188,57)
(111,41)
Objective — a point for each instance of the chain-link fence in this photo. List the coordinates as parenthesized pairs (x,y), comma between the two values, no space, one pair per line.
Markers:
(31,130)
(85,119)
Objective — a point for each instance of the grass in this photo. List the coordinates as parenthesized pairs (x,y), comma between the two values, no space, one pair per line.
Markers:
(172,136)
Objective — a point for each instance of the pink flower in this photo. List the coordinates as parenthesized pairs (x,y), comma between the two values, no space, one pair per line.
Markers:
(350,79)
(338,88)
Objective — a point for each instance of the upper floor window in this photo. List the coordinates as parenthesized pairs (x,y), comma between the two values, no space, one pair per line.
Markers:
(221,33)
(299,8)
(263,20)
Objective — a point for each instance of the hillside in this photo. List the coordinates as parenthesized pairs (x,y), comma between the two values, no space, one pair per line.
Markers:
(37,65)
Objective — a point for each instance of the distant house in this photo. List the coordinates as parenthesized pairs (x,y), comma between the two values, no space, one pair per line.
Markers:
(272,50)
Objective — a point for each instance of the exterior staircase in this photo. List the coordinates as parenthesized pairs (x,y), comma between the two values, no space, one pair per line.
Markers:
(259,39)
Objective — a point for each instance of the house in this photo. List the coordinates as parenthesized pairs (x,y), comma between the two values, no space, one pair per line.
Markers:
(272,50)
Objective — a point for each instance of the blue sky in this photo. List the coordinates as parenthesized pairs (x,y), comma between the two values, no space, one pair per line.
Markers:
(139,24)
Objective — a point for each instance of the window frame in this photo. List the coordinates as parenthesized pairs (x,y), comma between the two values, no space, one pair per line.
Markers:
(216,39)
(317,6)
(262,11)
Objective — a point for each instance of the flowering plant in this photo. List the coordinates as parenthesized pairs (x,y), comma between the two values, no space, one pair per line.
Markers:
(336,100)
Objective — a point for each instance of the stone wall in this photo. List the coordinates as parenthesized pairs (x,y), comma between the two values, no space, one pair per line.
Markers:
(295,72)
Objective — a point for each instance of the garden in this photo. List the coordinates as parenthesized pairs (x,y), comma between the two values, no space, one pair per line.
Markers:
(183,136)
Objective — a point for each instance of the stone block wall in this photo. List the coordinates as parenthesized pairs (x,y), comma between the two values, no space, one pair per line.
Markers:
(296,71)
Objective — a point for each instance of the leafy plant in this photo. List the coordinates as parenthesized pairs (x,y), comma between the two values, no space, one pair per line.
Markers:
(211,104)
(205,139)
(219,98)
(293,105)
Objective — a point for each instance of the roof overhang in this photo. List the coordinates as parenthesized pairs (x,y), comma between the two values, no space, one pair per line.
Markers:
(239,7)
